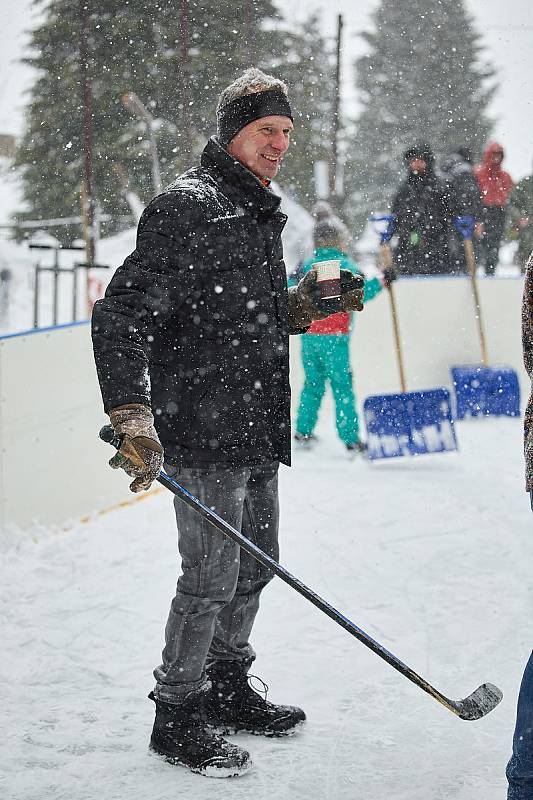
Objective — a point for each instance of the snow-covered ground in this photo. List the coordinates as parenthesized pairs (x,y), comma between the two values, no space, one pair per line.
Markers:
(431,556)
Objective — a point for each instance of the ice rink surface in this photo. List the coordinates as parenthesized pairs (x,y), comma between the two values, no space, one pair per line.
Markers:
(431,556)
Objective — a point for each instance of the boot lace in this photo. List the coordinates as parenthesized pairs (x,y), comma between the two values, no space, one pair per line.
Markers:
(262,689)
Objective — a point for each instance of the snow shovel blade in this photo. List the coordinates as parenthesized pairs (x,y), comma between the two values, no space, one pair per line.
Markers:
(478,704)
(409,424)
(486,391)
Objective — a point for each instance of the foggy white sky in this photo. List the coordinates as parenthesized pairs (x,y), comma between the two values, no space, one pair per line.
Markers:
(505,25)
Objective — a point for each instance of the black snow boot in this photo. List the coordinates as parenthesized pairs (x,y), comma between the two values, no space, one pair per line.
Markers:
(357,447)
(181,736)
(234,705)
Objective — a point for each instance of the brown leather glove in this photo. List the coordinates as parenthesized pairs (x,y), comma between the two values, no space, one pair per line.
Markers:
(352,292)
(302,299)
(306,305)
(141,453)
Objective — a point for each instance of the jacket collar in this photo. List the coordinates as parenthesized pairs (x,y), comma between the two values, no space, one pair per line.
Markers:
(421,178)
(237,182)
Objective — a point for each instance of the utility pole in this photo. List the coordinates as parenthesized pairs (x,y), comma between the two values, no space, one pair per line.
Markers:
(184,79)
(335,174)
(87,138)
(247,27)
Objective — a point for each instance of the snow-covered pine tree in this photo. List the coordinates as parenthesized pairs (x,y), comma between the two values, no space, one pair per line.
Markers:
(121,58)
(176,56)
(422,78)
(309,71)
(204,45)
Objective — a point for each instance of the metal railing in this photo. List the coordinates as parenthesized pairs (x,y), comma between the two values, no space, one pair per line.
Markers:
(57,271)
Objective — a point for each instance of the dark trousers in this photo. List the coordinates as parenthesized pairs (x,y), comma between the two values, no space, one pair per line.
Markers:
(489,244)
(520,766)
(217,595)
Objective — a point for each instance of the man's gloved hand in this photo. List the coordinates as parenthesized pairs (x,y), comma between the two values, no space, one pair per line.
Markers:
(352,292)
(306,305)
(141,453)
(389,275)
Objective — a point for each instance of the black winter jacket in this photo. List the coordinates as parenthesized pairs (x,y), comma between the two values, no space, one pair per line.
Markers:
(464,188)
(423,208)
(195,322)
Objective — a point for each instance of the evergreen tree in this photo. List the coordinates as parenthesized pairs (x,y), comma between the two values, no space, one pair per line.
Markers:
(176,56)
(421,79)
(50,153)
(203,50)
(310,75)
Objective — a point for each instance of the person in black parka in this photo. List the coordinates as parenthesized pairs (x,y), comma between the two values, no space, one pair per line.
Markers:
(423,208)
(191,347)
(457,172)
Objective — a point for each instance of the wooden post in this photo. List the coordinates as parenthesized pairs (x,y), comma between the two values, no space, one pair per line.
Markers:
(84,205)
(87,138)
(471,262)
(386,263)
(336,122)
(186,128)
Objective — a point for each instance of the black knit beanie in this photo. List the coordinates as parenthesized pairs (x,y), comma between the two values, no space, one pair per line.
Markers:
(421,150)
(238,113)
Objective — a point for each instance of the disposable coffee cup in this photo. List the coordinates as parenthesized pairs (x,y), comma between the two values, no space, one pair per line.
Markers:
(328,278)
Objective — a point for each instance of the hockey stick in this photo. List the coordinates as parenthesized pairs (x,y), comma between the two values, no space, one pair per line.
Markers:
(475,706)
(465,228)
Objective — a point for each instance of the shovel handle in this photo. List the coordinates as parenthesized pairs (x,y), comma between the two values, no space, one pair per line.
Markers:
(471,263)
(386,263)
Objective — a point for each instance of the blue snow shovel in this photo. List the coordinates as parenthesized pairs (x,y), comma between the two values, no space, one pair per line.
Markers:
(481,390)
(410,423)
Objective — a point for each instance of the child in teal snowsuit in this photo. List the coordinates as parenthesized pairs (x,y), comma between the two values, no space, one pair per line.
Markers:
(325,349)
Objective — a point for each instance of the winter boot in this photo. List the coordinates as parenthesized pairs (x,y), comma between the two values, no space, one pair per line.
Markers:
(181,736)
(304,440)
(234,705)
(356,447)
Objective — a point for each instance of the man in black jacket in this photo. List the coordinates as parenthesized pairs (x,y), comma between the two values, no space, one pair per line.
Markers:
(191,348)
(423,210)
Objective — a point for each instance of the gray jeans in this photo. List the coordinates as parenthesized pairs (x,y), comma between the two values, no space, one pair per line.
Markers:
(217,595)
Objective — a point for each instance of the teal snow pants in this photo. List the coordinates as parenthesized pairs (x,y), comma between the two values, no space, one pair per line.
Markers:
(326,358)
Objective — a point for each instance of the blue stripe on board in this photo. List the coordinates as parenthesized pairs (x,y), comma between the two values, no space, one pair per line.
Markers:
(32,331)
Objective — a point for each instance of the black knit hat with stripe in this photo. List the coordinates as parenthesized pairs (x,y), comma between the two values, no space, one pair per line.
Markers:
(238,113)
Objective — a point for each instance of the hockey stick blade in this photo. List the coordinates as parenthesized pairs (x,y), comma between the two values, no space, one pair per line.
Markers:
(478,704)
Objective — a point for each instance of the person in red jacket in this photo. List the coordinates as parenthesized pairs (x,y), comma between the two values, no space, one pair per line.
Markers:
(495,186)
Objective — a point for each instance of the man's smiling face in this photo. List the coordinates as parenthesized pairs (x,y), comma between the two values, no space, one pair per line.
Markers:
(260,146)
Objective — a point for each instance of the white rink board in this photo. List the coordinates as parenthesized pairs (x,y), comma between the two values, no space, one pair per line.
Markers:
(53,467)
(438,330)
(52,464)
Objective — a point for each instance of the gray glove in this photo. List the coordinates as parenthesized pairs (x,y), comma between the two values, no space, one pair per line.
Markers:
(306,305)
(141,453)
